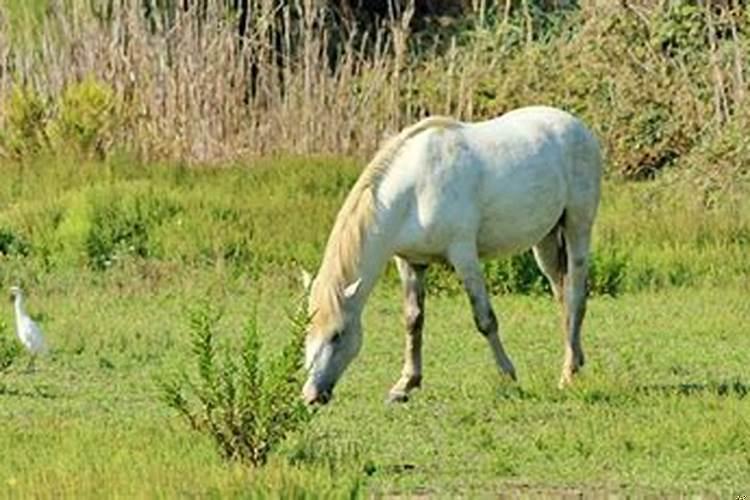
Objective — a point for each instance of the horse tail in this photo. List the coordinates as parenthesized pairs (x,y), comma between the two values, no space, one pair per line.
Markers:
(562,251)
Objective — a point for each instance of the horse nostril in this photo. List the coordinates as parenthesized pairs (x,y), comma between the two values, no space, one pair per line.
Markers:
(314,395)
(324,397)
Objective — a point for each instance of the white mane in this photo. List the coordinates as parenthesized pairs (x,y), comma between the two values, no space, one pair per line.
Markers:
(341,257)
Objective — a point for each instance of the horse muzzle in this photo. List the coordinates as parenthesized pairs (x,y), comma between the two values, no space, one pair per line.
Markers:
(314,395)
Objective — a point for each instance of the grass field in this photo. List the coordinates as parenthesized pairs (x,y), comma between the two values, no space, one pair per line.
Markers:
(114,255)
(662,407)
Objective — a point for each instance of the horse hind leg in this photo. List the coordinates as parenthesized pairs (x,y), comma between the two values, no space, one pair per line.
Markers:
(413,280)
(577,238)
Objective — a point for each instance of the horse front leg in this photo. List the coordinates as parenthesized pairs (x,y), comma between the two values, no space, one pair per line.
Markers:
(466,263)
(412,277)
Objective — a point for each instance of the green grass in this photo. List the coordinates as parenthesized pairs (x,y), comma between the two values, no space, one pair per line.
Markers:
(114,255)
(58,214)
(662,406)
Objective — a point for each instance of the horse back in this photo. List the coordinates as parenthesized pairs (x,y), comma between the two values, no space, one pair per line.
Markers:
(503,183)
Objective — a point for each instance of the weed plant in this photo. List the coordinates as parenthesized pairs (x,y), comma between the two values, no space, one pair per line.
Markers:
(246,406)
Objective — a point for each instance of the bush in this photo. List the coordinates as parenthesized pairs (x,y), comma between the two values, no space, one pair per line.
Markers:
(247,407)
(122,226)
(87,118)
(12,244)
(607,271)
(26,117)
(517,273)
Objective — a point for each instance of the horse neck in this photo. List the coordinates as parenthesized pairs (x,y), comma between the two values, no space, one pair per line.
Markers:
(376,251)
(373,255)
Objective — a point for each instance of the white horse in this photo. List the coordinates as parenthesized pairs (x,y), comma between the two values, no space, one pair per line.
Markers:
(443,190)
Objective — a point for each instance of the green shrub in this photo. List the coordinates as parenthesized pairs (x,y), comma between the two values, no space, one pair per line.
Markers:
(10,349)
(121,225)
(607,272)
(516,274)
(718,170)
(680,29)
(246,406)
(25,127)
(12,244)
(87,118)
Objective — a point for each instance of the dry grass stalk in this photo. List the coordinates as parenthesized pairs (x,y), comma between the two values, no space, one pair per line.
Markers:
(191,88)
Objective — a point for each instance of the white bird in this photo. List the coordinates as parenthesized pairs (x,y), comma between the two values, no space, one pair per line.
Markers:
(27,330)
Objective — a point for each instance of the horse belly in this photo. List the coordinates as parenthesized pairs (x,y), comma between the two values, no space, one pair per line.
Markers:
(515,220)
(427,239)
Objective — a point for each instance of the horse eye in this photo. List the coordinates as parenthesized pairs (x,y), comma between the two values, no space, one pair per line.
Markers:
(336,337)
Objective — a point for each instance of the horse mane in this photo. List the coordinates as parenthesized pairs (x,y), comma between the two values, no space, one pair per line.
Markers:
(341,256)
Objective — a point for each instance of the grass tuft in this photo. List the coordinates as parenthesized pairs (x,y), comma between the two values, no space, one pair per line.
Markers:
(10,349)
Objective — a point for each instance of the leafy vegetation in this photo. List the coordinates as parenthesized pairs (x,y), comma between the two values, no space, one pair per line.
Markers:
(87,118)
(247,407)
(26,119)
(67,214)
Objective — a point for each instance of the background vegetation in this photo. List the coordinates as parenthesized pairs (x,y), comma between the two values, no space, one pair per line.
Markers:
(57,215)
(661,82)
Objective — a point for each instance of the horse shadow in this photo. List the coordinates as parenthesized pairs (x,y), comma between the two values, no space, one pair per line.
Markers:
(735,388)
(36,392)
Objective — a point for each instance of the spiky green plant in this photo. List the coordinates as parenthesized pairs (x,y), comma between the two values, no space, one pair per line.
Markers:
(246,405)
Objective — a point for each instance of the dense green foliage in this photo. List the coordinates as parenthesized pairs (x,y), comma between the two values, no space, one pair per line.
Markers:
(9,348)
(60,215)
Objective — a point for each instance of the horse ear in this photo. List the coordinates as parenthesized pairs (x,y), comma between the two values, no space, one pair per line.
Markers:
(350,290)
(306,278)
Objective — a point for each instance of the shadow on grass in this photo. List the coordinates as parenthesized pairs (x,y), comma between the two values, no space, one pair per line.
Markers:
(623,395)
(514,392)
(732,388)
(38,392)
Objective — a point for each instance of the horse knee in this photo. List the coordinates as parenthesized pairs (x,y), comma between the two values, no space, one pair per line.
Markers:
(486,323)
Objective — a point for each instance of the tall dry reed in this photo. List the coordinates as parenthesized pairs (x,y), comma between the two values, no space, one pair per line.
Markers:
(653,80)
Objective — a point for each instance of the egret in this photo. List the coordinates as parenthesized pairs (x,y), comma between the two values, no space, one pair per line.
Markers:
(27,330)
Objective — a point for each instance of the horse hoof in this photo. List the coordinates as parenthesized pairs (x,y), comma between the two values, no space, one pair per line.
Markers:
(581,360)
(509,375)
(397,397)
(566,380)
